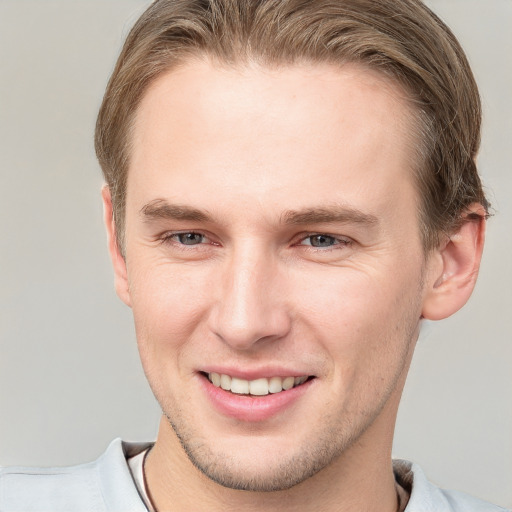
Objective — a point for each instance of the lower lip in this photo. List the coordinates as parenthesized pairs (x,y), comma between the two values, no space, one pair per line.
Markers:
(252,408)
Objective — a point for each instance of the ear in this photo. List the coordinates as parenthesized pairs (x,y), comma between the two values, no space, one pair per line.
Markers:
(118,261)
(453,267)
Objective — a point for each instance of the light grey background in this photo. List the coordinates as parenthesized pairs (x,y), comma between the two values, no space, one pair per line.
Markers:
(70,379)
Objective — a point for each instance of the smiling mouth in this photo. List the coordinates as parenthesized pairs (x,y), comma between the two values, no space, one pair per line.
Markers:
(257,387)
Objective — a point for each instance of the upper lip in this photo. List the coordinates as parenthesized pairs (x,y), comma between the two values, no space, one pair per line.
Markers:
(256,373)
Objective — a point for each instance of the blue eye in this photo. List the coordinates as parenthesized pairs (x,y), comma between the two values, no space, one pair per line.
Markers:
(189,238)
(320,241)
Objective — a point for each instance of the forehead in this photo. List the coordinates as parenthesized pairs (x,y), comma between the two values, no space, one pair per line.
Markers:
(268,133)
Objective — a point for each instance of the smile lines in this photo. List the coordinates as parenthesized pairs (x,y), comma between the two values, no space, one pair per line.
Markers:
(258,387)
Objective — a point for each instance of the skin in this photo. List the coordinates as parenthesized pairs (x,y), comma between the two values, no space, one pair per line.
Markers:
(301,151)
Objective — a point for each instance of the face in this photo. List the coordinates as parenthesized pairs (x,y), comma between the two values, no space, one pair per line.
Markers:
(273,263)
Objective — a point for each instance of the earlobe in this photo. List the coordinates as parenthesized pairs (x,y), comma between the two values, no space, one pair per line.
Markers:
(454,267)
(118,261)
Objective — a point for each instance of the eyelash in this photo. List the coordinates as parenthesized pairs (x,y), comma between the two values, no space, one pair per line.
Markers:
(170,238)
(338,242)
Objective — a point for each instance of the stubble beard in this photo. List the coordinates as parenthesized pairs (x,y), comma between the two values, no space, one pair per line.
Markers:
(334,438)
(228,471)
(314,454)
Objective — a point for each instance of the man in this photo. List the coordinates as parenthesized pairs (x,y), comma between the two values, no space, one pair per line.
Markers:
(291,189)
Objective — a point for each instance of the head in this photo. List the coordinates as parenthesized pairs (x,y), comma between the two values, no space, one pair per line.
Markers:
(291,188)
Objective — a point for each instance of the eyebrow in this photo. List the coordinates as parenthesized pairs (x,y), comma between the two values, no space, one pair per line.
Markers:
(161,209)
(331,214)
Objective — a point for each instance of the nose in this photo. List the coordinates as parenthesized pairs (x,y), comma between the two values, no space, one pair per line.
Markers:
(252,306)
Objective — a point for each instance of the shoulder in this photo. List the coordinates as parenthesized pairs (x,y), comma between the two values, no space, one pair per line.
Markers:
(103,485)
(427,497)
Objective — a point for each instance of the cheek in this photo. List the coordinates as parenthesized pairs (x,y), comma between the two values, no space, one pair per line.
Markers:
(168,309)
(168,305)
(344,298)
(362,316)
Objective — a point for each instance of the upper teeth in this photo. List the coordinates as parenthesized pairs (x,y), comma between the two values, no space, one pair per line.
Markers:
(260,387)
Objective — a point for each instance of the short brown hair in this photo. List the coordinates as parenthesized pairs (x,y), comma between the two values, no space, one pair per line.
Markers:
(402,39)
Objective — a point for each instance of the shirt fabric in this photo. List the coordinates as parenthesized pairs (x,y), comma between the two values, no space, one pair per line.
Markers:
(107,485)
(136,465)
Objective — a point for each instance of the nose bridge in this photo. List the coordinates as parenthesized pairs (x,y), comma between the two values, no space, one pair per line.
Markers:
(250,307)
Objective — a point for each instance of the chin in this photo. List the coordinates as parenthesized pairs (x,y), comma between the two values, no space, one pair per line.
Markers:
(278,475)
(267,465)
